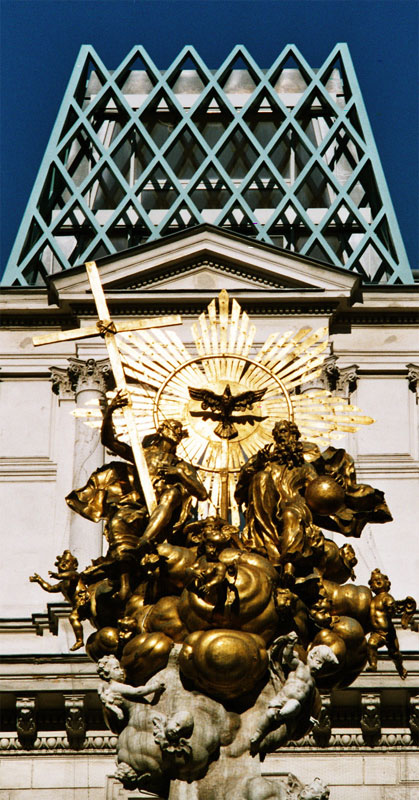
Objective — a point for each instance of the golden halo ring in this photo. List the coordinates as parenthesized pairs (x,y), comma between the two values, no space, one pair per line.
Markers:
(212,357)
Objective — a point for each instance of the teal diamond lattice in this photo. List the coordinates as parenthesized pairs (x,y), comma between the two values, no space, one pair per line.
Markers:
(284,155)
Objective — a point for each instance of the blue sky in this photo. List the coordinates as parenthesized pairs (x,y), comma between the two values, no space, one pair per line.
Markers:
(40,40)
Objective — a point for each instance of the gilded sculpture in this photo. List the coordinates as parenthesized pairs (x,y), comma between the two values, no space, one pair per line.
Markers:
(221,608)
(383,633)
(74,590)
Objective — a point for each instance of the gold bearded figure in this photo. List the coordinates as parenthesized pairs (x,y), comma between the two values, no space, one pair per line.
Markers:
(232,628)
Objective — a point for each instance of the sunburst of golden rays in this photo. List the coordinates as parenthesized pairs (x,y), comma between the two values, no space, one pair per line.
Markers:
(160,372)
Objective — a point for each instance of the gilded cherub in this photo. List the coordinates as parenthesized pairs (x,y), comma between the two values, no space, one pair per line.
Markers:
(383,608)
(71,585)
(114,691)
(213,579)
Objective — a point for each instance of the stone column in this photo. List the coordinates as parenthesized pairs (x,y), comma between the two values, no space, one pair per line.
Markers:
(86,380)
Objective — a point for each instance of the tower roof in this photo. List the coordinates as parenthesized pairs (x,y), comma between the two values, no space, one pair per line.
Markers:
(283,155)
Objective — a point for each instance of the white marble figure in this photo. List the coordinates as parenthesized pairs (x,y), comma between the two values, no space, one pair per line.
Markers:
(316,790)
(114,691)
(171,733)
(295,696)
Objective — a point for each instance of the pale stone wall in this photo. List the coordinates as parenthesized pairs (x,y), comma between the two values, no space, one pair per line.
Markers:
(55,777)
(362,775)
(354,776)
(40,459)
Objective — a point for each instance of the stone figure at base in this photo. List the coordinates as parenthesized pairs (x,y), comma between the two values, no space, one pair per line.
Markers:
(172,734)
(114,690)
(293,699)
(316,790)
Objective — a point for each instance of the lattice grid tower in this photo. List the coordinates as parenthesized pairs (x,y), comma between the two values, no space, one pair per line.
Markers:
(285,156)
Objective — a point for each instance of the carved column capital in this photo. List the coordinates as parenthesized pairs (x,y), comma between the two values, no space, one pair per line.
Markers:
(62,384)
(348,379)
(90,375)
(330,372)
(342,380)
(75,722)
(26,727)
(371,718)
(413,378)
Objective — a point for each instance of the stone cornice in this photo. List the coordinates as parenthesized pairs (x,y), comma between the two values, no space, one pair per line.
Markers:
(103,742)
(27,468)
(24,313)
(216,244)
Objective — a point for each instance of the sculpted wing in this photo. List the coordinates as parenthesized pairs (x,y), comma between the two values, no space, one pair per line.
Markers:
(246,399)
(250,418)
(208,399)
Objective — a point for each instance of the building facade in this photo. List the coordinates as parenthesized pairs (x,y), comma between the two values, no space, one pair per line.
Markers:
(265,183)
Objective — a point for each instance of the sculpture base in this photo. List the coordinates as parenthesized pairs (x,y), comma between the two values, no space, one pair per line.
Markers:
(241,779)
(185,745)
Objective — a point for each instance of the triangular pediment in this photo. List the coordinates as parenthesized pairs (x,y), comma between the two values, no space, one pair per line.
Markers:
(202,276)
(207,258)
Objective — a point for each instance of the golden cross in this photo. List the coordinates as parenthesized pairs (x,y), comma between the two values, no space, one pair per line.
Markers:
(107,328)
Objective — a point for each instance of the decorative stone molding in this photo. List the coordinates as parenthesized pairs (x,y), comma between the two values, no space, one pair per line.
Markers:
(61,383)
(27,469)
(371,719)
(414,718)
(90,374)
(353,739)
(342,380)
(50,620)
(75,722)
(103,742)
(339,380)
(322,730)
(26,721)
(79,375)
(100,742)
(413,379)
(216,266)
